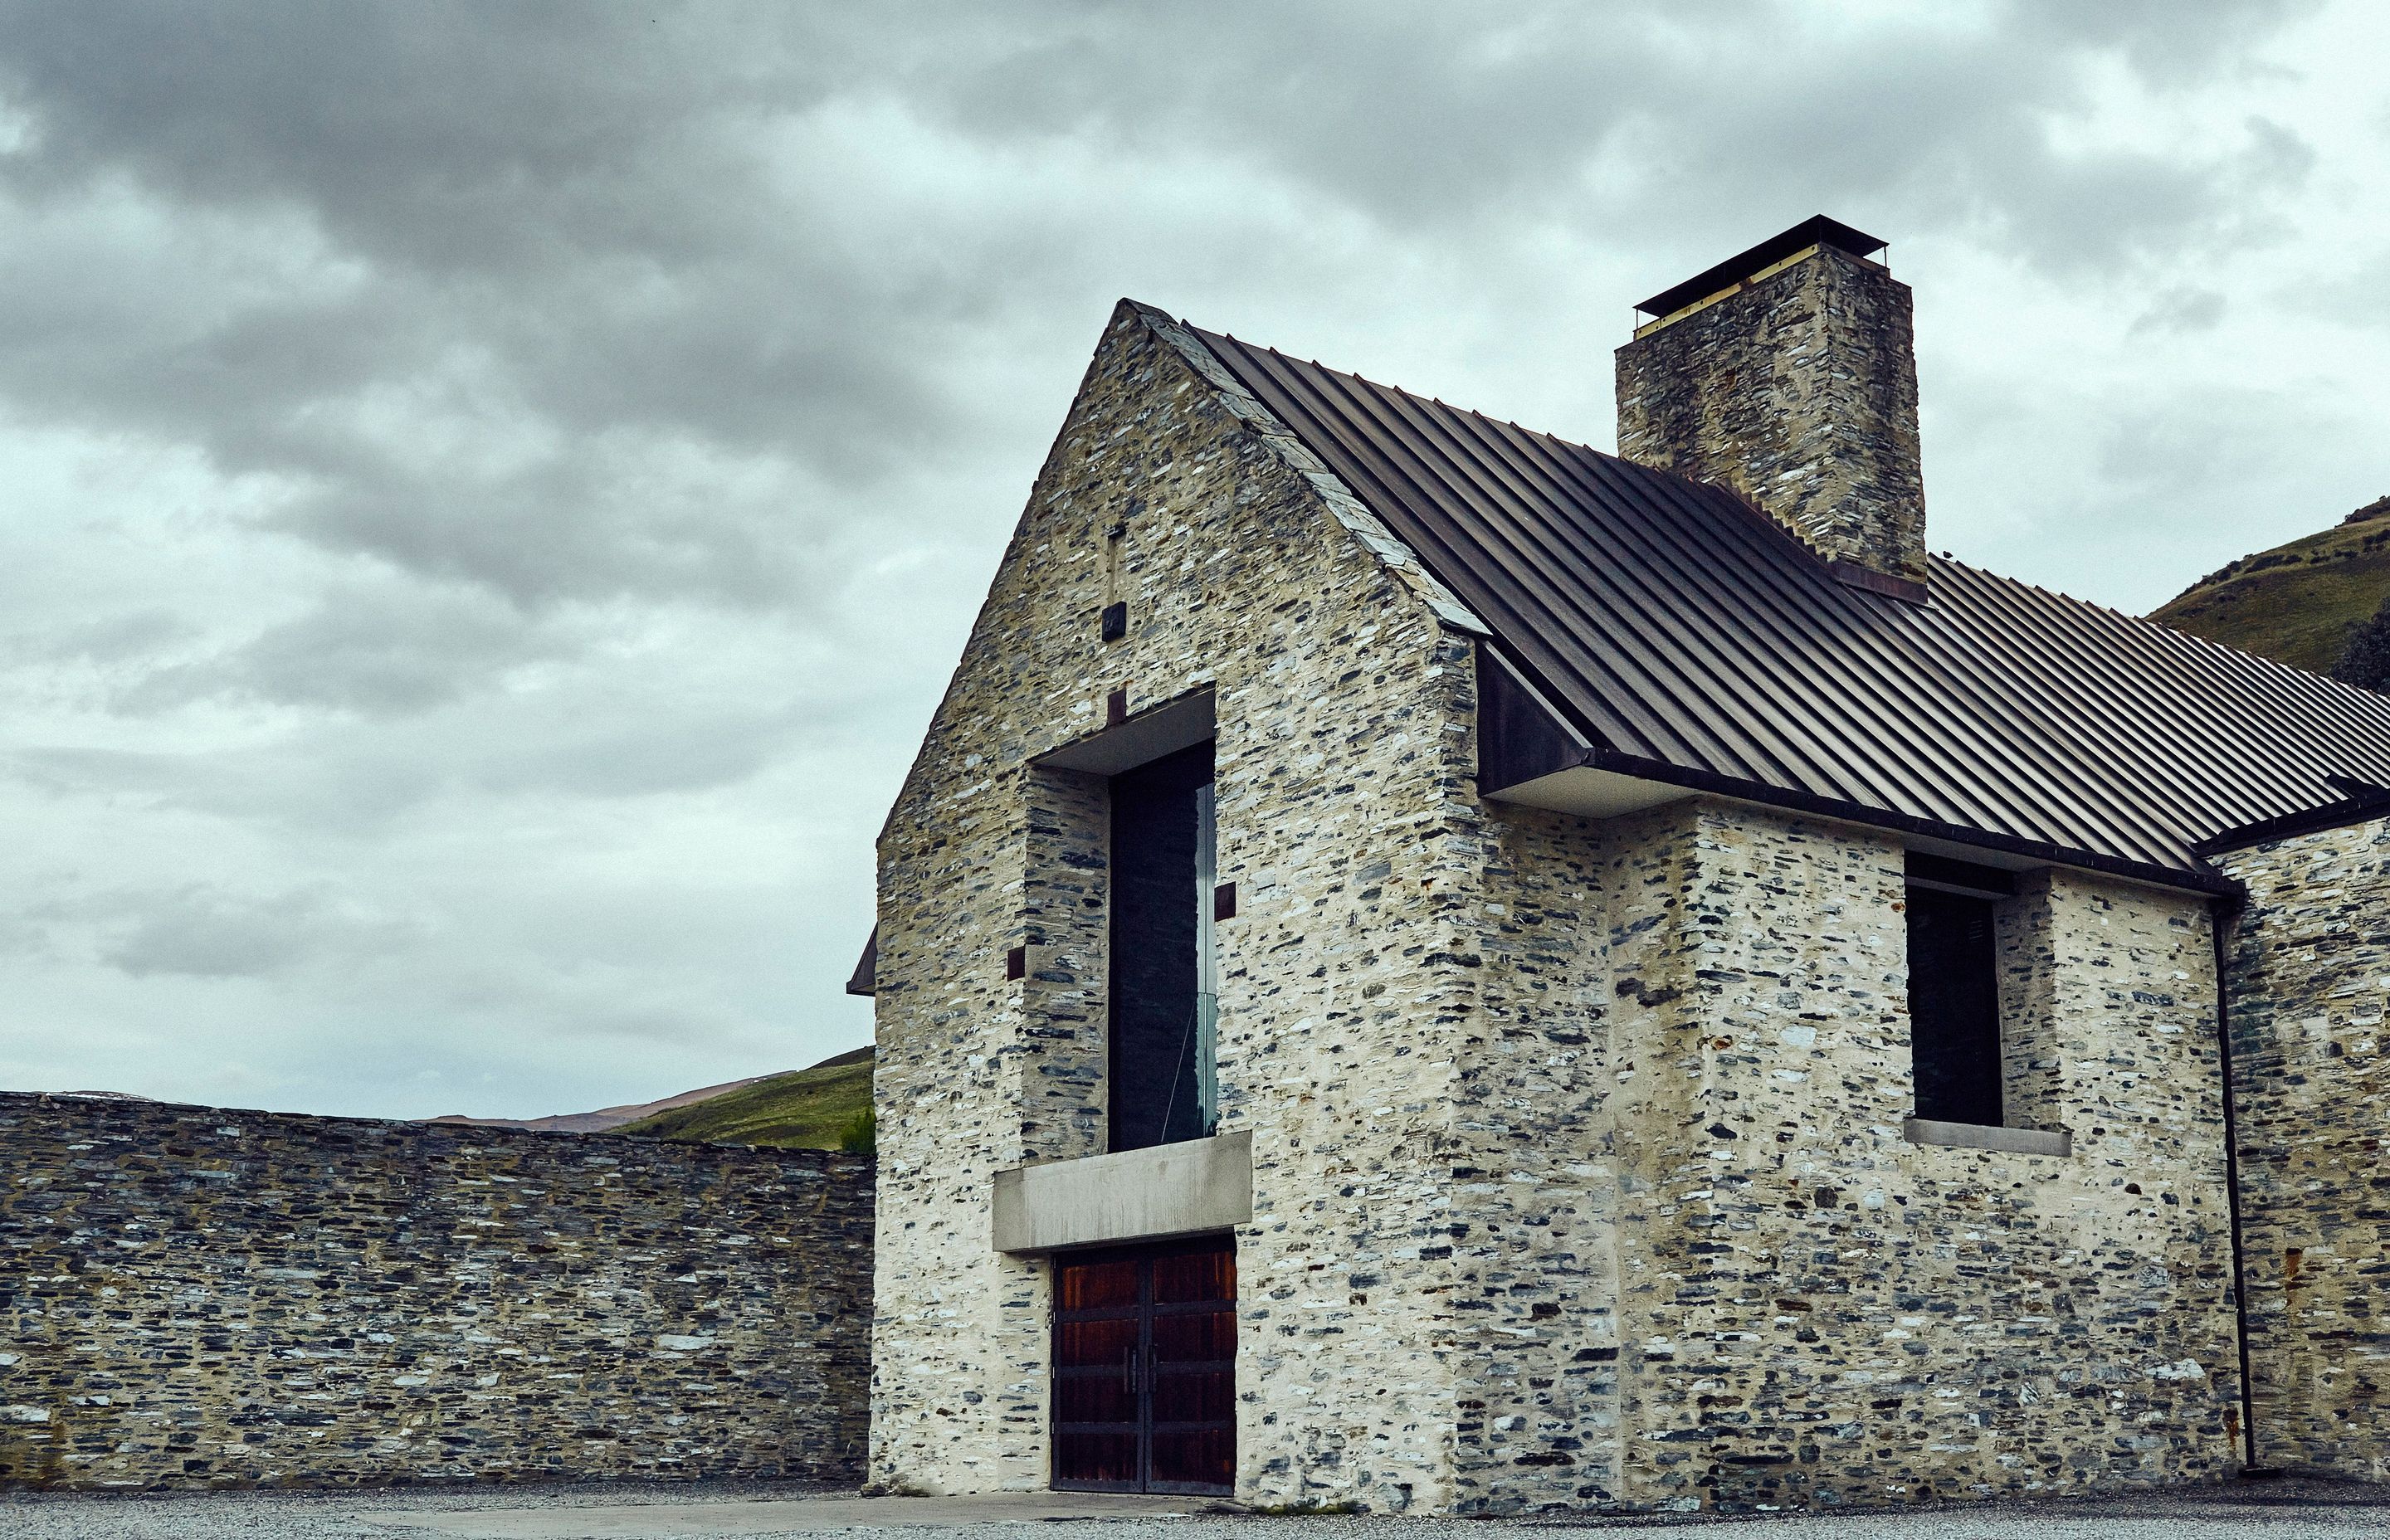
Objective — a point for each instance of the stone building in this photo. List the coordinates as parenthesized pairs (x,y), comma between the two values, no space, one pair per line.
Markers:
(1424,966)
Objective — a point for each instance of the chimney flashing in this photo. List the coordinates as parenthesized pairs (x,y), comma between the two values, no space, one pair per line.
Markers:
(1852,575)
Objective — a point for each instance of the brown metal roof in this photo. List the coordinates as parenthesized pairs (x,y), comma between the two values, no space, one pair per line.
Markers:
(1692,640)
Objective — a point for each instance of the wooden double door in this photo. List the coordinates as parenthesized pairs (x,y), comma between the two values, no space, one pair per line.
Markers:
(1145,1369)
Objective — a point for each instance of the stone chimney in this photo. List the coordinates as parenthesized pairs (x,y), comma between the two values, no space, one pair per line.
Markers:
(1790,375)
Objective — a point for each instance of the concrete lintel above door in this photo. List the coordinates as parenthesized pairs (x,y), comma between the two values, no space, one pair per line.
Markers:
(1145,736)
(1151,1194)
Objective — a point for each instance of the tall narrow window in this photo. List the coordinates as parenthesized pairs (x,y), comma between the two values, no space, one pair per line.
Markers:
(1161,1084)
(1207,984)
(1954,994)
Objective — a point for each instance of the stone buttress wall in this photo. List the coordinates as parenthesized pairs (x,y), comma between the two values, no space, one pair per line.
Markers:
(192,1296)
(1537,1195)
(2309,966)
(1343,698)
(1808,1309)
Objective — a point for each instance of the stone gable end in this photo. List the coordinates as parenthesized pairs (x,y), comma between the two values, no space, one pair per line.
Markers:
(1344,699)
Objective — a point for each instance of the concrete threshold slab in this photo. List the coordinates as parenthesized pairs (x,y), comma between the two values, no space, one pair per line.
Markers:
(782,1516)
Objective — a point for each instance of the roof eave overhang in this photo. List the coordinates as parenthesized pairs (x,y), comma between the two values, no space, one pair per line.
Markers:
(1533,751)
(1624,783)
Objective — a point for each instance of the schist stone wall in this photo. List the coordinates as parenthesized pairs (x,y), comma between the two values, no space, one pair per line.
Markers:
(1580,1176)
(1802,1307)
(191,1296)
(1343,684)
(2310,975)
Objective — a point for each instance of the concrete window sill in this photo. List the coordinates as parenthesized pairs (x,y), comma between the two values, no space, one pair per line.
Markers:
(1971,1136)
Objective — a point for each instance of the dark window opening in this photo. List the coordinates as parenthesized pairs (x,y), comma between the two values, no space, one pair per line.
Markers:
(1160,1082)
(1954,1007)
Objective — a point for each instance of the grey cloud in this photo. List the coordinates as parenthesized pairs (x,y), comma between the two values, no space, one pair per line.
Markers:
(382,651)
(636,759)
(2356,292)
(202,931)
(129,635)
(596,524)
(210,935)
(2170,42)
(501,234)
(438,135)
(2178,310)
(1696,123)
(529,246)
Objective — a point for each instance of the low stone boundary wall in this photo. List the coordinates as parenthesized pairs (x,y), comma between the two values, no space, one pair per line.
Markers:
(196,1297)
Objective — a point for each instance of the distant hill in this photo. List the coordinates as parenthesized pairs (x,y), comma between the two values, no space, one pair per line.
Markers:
(2297,603)
(811,1108)
(606,1118)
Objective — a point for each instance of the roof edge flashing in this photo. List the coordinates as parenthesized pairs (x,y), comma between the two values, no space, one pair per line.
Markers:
(2362,803)
(1954,836)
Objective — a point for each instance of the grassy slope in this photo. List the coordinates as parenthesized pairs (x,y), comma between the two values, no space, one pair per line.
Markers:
(2294,603)
(804,1110)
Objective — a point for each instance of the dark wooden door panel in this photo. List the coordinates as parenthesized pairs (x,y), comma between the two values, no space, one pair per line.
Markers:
(1196,1277)
(1100,1461)
(1199,1460)
(1096,1285)
(1145,1389)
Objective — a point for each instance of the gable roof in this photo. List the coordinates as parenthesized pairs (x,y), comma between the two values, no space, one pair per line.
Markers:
(1692,640)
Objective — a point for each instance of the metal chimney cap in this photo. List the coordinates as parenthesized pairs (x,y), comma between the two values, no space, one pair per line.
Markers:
(1816,230)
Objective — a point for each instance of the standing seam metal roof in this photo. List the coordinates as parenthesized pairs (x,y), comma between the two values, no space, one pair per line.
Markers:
(1691,638)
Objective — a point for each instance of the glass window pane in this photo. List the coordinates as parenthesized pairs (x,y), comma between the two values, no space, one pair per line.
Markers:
(1954,1007)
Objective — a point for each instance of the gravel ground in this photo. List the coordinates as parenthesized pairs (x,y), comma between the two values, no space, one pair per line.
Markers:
(2274,1510)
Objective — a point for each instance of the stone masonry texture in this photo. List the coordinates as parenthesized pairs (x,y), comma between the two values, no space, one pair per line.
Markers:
(197,1297)
(2310,978)
(1345,695)
(1800,392)
(1719,1275)
(1579,1169)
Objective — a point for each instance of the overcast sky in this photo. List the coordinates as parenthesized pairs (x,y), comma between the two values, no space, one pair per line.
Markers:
(493,491)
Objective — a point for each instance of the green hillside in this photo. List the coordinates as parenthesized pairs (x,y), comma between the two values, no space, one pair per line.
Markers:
(816,1109)
(2295,603)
